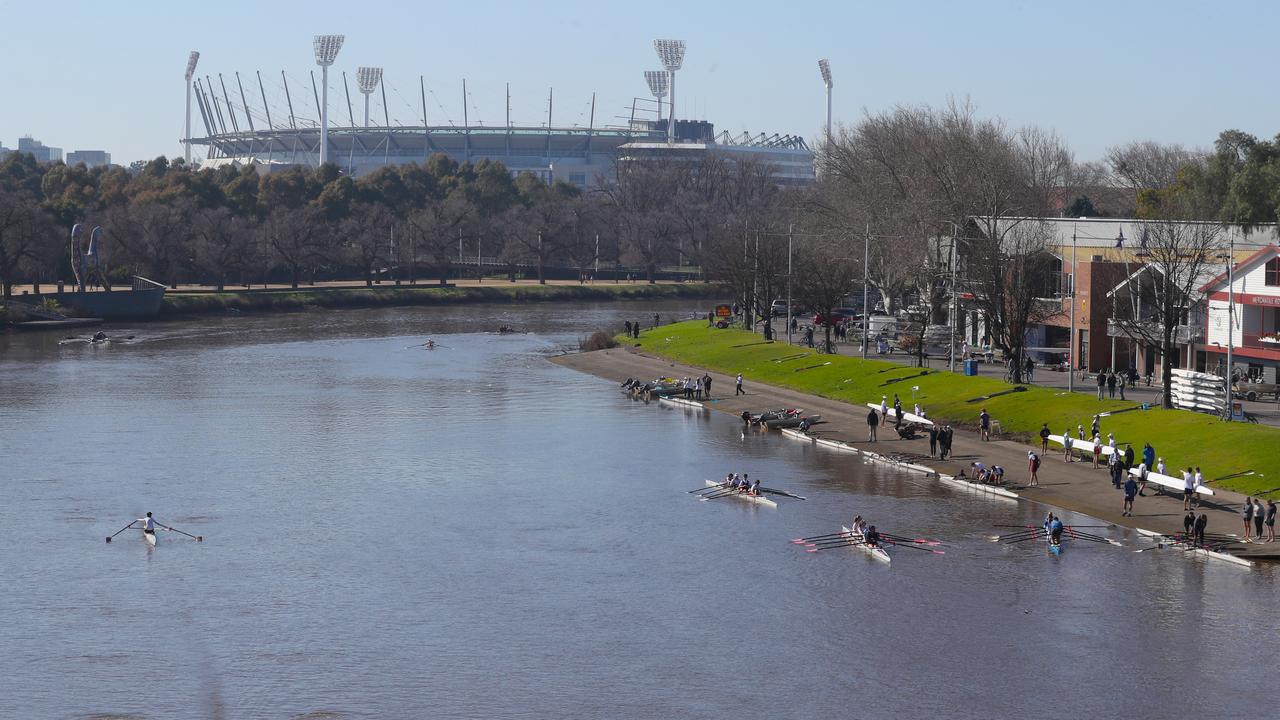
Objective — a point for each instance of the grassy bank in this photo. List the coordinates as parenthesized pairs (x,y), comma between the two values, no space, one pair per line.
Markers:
(1181,437)
(305,298)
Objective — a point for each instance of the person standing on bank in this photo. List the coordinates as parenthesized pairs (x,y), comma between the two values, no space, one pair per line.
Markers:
(873,420)
(737,388)
(933,440)
(1259,514)
(1111,385)
(984,425)
(1247,514)
(1068,445)
(1102,383)
(1270,521)
(706,386)
(1044,439)
(1130,491)
(944,441)
(1033,466)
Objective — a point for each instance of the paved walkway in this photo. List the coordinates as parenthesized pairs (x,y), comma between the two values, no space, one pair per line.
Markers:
(1076,486)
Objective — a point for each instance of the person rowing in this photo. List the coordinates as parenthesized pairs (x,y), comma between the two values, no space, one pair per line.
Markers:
(860,527)
(872,537)
(148,524)
(755,486)
(1055,532)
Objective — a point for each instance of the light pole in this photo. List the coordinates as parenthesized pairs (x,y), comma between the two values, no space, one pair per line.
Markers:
(367,80)
(192,59)
(671,53)
(1071,343)
(1231,320)
(825,68)
(866,290)
(657,80)
(326,48)
(790,237)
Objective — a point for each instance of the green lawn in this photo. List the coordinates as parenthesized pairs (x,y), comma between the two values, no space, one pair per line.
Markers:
(1181,437)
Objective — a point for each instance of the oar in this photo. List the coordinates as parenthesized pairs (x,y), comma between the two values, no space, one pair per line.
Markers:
(706,488)
(1243,473)
(918,541)
(820,537)
(126,527)
(917,547)
(783,493)
(197,538)
(1010,536)
(849,543)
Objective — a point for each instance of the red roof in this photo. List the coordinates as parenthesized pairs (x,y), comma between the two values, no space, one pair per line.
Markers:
(1267,252)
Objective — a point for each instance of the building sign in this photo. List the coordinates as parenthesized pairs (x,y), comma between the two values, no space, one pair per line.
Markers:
(724,311)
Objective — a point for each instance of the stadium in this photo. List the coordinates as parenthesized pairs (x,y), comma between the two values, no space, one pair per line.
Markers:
(299,124)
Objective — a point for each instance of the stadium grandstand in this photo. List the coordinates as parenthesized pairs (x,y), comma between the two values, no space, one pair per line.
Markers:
(287,128)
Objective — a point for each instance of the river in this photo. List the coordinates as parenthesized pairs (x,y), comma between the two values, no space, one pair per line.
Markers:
(475,532)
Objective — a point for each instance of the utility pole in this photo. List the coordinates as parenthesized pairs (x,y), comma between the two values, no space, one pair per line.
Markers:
(790,237)
(1231,321)
(954,317)
(866,311)
(1072,344)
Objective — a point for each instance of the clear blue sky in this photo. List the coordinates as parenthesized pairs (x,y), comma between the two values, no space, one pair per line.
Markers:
(99,75)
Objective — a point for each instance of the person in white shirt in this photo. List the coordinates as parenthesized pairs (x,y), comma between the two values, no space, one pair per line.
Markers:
(884,407)
(1188,488)
(1199,482)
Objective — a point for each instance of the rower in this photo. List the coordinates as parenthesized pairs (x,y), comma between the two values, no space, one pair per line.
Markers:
(755,487)
(746,483)
(148,524)
(1055,532)
(872,537)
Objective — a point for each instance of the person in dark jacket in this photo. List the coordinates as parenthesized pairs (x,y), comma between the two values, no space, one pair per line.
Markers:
(933,441)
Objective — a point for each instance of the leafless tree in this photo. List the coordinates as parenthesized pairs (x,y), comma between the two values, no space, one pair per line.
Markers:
(293,236)
(824,275)
(25,230)
(223,244)
(366,237)
(155,235)
(1149,165)
(438,226)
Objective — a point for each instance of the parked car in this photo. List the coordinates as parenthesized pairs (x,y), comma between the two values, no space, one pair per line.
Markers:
(838,315)
(1252,390)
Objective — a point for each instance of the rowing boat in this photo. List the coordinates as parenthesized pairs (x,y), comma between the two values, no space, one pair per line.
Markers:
(878,553)
(756,499)
(150,537)
(682,401)
(1163,540)
(980,487)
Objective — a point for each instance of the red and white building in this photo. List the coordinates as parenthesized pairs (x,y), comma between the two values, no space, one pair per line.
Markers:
(1254,332)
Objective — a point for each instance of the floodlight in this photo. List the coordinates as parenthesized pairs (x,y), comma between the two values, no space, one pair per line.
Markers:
(657,80)
(192,59)
(671,53)
(367,79)
(191,64)
(327,47)
(825,68)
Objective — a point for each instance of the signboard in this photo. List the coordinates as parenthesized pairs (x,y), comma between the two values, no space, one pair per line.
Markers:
(724,311)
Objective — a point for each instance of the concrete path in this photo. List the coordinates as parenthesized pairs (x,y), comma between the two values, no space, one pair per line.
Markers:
(1069,486)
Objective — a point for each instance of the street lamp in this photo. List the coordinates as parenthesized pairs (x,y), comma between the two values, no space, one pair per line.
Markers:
(1231,322)
(1072,360)
(367,80)
(671,53)
(192,59)
(657,80)
(825,68)
(326,48)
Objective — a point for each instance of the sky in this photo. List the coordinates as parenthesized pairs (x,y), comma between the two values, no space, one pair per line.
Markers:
(109,75)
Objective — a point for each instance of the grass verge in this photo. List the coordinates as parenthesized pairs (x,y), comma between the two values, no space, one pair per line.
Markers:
(1181,437)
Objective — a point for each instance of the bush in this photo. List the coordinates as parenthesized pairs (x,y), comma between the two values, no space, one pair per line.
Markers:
(599,340)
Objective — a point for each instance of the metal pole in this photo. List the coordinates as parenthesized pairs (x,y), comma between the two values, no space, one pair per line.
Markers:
(187,138)
(790,237)
(755,282)
(1231,321)
(479,263)
(954,277)
(866,311)
(828,114)
(671,123)
(597,260)
(1072,361)
(324,114)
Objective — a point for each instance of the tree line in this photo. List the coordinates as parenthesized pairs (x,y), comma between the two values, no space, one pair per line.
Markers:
(234,226)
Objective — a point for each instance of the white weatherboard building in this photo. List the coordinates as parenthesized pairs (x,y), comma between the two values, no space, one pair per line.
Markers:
(1254,330)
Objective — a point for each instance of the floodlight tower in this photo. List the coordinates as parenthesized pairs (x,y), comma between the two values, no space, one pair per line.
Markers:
(671,53)
(368,79)
(326,47)
(825,68)
(657,80)
(192,59)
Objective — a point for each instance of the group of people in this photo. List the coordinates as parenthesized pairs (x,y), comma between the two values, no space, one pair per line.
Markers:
(696,388)
(1193,528)
(1109,381)
(993,475)
(632,329)
(866,532)
(1260,516)
(741,483)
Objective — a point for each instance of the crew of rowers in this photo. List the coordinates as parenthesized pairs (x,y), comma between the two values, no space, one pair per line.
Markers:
(740,483)
(1053,528)
(867,532)
(993,475)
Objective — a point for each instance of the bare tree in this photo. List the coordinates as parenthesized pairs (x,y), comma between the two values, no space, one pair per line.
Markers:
(366,237)
(223,244)
(1148,165)
(438,226)
(155,235)
(24,231)
(293,236)
(825,274)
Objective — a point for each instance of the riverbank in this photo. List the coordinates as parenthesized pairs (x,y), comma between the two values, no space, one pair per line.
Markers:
(1181,437)
(1070,486)
(293,300)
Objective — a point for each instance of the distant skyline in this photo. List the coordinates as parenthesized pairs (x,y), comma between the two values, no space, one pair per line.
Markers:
(109,76)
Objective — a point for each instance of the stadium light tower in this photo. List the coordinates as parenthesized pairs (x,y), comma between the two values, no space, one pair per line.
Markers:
(326,47)
(657,80)
(368,79)
(192,59)
(825,68)
(671,53)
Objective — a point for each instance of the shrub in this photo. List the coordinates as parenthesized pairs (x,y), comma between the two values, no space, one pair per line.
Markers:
(599,340)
